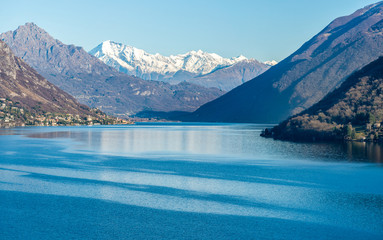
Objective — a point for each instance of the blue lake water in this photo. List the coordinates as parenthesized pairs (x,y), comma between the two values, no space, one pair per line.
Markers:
(185,181)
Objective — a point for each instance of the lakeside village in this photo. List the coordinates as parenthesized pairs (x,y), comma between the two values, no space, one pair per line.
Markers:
(370,132)
(12,115)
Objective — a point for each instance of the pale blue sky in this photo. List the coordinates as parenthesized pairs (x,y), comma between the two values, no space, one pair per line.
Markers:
(261,29)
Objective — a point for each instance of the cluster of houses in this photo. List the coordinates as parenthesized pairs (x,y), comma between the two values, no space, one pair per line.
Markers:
(11,115)
(374,132)
(371,132)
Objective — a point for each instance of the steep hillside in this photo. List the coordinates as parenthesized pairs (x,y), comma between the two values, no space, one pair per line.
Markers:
(25,94)
(352,111)
(94,83)
(305,77)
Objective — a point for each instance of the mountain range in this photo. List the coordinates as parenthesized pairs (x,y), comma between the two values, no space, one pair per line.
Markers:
(352,111)
(186,81)
(202,68)
(306,76)
(94,83)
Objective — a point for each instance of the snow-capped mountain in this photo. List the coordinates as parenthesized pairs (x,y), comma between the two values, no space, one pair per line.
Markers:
(96,84)
(271,63)
(172,69)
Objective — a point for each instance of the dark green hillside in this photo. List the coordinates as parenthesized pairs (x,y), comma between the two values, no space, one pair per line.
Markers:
(352,111)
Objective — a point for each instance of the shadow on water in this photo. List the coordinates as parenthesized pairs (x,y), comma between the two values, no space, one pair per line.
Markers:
(175,181)
(80,218)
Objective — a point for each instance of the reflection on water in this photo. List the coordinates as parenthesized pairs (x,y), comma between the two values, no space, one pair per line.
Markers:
(239,140)
(362,150)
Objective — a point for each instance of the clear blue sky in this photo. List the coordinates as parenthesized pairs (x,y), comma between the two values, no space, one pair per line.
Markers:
(261,29)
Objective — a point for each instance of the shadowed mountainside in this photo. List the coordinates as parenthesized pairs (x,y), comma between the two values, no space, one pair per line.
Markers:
(305,77)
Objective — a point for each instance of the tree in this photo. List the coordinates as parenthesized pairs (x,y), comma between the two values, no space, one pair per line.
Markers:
(371,118)
(353,134)
(349,130)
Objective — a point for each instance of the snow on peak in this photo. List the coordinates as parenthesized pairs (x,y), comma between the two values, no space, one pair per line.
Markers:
(271,63)
(139,63)
(240,58)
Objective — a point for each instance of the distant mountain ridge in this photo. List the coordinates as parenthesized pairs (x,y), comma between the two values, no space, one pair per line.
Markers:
(306,76)
(232,76)
(133,59)
(176,68)
(94,83)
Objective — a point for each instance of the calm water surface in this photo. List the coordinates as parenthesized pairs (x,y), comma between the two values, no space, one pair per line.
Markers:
(185,181)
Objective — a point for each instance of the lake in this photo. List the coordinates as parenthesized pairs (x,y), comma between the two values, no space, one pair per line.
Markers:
(185,181)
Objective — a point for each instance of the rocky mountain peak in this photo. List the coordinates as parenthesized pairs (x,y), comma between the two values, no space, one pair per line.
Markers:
(34,44)
(31,32)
